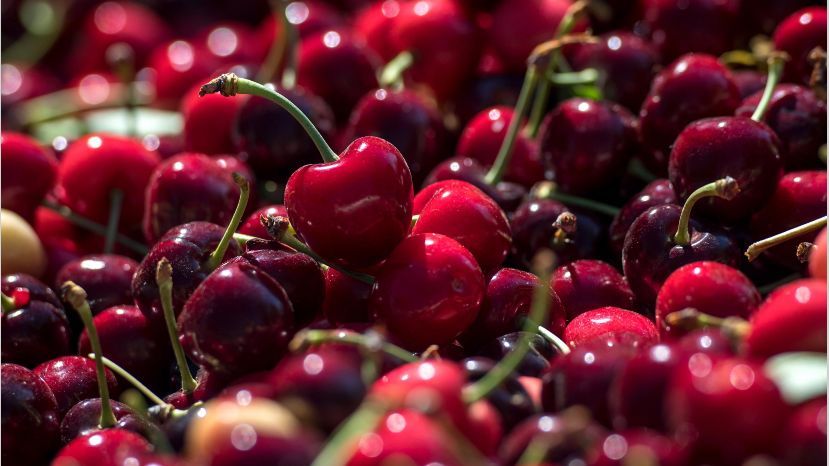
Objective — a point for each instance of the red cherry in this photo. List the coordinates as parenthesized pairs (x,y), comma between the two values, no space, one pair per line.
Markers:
(72,379)
(748,82)
(673,26)
(30,417)
(253,227)
(102,448)
(428,291)
(374,23)
(588,284)
(541,425)
(710,288)
(84,417)
(628,446)
(792,318)
(208,122)
(177,66)
(797,35)
(508,195)
(29,173)
(309,17)
(657,192)
(105,277)
(609,322)
(804,437)
(817,258)
(229,43)
(22,82)
(34,332)
(346,298)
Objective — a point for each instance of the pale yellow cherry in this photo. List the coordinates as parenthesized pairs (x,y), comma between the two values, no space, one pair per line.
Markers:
(21,251)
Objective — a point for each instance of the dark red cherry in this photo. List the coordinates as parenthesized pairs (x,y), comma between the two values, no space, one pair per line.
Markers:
(709,287)
(72,379)
(93,166)
(792,318)
(634,445)
(445,44)
(209,122)
(30,417)
(373,24)
(253,226)
(103,448)
(534,363)
(748,82)
(508,195)
(22,82)
(209,384)
(36,290)
(626,64)
(428,291)
(798,118)
(707,340)
(506,305)
(797,35)
(346,298)
(271,140)
(176,67)
(708,404)
(511,401)
(338,68)
(83,418)
(694,86)
(798,197)
(673,25)
(106,278)
(353,211)
(481,140)
(409,121)
(229,43)
(29,172)
(610,322)
(467,215)
(588,284)
(804,437)
(657,192)
(309,17)
(573,446)
(237,321)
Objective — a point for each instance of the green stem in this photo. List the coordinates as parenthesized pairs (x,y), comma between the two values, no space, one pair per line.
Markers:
(554,340)
(776,61)
(547,190)
(92,226)
(61,103)
(308,338)
(391,75)
(76,297)
(43,21)
(279,46)
(499,167)
(243,239)
(8,303)
(120,371)
(229,85)
(757,248)
(218,254)
(340,446)
(725,188)
(116,202)
(573,78)
(164,280)
(540,305)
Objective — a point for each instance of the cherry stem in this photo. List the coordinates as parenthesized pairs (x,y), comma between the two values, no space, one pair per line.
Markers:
(279,228)
(692,319)
(573,78)
(757,248)
(116,202)
(8,303)
(282,45)
(43,21)
(164,279)
(63,103)
(392,74)
(738,57)
(415,218)
(342,443)
(122,61)
(725,188)
(92,226)
(549,190)
(804,250)
(218,254)
(554,340)
(121,372)
(243,239)
(776,60)
(817,81)
(371,342)
(76,297)
(542,264)
(229,85)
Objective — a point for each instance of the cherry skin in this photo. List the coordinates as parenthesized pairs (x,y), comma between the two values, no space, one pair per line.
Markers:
(657,192)
(626,64)
(29,173)
(373,24)
(797,35)
(804,437)
(710,288)
(506,305)
(600,323)
(708,402)
(674,26)
(798,118)
(216,335)
(36,290)
(253,226)
(209,122)
(83,418)
(792,318)
(799,197)
(588,284)
(508,195)
(428,291)
(271,140)
(355,210)
(817,258)
(481,140)
(346,298)
(749,82)
(93,166)
(229,43)
(510,399)
(467,215)
(572,447)
(178,66)
(534,363)
(30,417)
(694,86)
(106,279)
(409,121)
(309,18)
(630,445)
(103,448)
(22,82)
(72,379)
(337,68)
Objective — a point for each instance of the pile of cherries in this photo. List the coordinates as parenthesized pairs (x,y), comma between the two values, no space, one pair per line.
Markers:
(415,232)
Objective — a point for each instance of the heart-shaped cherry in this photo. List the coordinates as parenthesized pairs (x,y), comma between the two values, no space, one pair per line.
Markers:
(610,322)
(657,192)
(30,417)
(797,35)
(29,173)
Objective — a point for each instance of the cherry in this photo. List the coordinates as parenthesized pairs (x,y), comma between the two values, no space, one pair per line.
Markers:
(797,35)
(409,121)
(229,43)
(799,197)
(694,86)
(253,227)
(626,64)
(186,188)
(36,290)
(804,437)
(428,291)
(506,305)
(22,82)
(673,26)
(346,298)
(178,65)
(105,277)
(508,195)
(92,168)
(792,318)
(708,403)
(373,24)
(209,122)
(568,434)
(85,416)
(709,287)
(464,213)
(308,17)
(664,238)
(657,192)
(29,173)
(748,82)
(797,117)
(637,444)
(103,448)
(588,284)
(610,322)
(535,362)
(510,399)
(72,379)
(30,417)
(817,257)
(337,68)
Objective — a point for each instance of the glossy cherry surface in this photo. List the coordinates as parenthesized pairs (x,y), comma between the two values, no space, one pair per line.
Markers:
(508,195)
(748,82)
(588,284)
(797,35)
(817,258)
(178,66)
(610,322)
(30,417)
(617,449)
(673,26)
(83,418)
(428,291)
(29,172)
(373,25)
(37,329)
(106,278)
(208,122)
(102,448)
(72,379)
(355,210)
(346,298)
(36,289)
(656,192)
